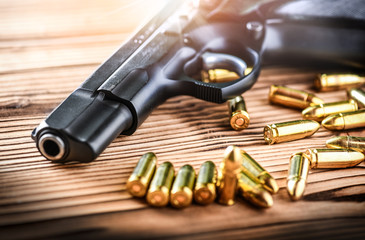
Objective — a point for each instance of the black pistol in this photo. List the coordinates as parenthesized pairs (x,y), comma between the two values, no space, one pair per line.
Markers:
(165,58)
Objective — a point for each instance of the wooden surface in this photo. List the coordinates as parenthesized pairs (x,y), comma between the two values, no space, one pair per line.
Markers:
(47,48)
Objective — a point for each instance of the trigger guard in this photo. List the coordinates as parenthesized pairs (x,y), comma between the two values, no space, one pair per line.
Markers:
(225,61)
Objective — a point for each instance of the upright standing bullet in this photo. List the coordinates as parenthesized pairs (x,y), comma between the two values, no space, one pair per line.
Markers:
(289,131)
(321,111)
(343,121)
(253,191)
(239,118)
(182,188)
(333,158)
(141,176)
(218,76)
(250,166)
(158,194)
(352,142)
(335,82)
(292,98)
(204,191)
(297,175)
(358,95)
(228,174)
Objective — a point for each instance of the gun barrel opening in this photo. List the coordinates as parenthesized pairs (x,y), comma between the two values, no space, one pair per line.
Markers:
(51,146)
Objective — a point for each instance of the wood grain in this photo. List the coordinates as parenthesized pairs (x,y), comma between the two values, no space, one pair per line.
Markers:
(48,48)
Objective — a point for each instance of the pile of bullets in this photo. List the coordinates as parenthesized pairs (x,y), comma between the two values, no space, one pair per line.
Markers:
(341,115)
(238,173)
(333,116)
(348,150)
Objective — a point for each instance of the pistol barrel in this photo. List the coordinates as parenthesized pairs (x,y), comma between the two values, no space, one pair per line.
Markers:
(81,127)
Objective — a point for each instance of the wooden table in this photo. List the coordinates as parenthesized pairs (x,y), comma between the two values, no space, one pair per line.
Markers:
(47,48)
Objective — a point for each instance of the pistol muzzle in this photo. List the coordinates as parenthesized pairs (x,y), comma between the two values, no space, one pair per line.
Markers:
(81,127)
(52,146)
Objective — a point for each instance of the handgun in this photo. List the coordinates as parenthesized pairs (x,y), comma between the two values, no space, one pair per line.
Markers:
(165,57)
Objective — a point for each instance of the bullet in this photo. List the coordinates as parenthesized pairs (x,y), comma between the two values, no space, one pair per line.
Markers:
(228,174)
(250,166)
(204,191)
(239,118)
(158,194)
(289,131)
(141,176)
(297,175)
(321,111)
(182,188)
(334,158)
(218,76)
(358,95)
(343,121)
(351,142)
(292,98)
(251,189)
(248,70)
(334,82)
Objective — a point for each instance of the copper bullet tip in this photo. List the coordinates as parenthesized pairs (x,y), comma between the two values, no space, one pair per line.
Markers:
(299,165)
(334,122)
(232,159)
(296,187)
(264,199)
(316,101)
(270,183)
(352,142)
(345,120)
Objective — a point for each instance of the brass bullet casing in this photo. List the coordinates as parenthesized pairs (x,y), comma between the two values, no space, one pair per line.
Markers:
(228,174)
(204,191)
(297,175)
(218,75)
(292,98)
(248,70)
(158,194)
(334,82)
(253,191)
(141,176)
(239,118)
(351,142)
(358,95)
(334,158)
(343,121)
(289,131)
(321,111)
(250,166)
(182,188)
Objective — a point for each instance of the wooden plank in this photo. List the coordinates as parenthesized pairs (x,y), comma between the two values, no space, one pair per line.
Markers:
(335,218)
(39,19)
